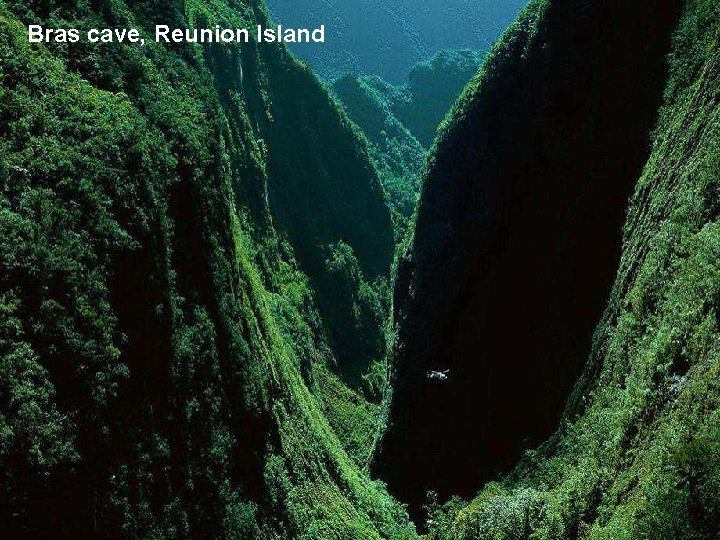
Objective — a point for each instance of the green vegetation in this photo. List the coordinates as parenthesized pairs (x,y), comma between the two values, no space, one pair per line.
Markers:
(637,450)
(195,254)
(388,37)
(396,153)
(164,354)
(400,121)
(516,241)
(432,88)
(637,455)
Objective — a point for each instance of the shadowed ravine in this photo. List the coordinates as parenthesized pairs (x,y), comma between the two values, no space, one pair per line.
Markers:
(517,241)
(197,250)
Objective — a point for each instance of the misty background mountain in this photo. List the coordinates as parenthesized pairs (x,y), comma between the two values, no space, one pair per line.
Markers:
(400,121)
(388,37)
(397,67)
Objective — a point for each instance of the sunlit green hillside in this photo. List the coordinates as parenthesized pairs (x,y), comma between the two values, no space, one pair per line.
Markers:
(172,325)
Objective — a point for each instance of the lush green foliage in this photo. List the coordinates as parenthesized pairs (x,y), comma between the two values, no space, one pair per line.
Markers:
(396,153)
(637,454)
(160,347)
(194,257)
(432,88)
(400,121)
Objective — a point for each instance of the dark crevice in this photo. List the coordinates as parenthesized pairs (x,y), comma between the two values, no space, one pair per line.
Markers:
(517,242)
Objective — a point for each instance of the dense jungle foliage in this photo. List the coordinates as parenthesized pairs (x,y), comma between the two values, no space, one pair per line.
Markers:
(172,325)
(196,245)
(432,88)
(388,37)
(636,452)
(396,153)
(400,122)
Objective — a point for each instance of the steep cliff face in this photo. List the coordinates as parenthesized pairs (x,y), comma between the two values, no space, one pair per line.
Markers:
(400,122)
(517,238)
(331,206)
(159,340)
(638,453)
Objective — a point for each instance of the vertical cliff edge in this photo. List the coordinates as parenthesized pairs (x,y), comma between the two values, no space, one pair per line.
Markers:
(517,239)
(163,328)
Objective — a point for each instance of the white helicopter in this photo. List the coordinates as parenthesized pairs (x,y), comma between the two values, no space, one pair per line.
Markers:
(441,376)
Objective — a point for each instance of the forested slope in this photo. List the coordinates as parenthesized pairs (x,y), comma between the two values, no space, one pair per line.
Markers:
(162,354)
(400,122)
(194,255)
(638,453)
(517,239)
(397,154)
(432,88)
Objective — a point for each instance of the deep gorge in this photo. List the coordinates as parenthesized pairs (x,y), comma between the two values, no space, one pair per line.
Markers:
(225,284)
(517,240)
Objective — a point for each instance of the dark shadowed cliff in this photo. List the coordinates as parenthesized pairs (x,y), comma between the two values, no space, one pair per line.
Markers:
(517,239)
(637,454)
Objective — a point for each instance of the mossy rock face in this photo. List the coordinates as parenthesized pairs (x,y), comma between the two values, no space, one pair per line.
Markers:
(161,329)
(400,122)
(517,238)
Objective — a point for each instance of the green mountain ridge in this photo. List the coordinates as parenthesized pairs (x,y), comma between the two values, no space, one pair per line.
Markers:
(196,255)
(400,122)
(513,226)
(164,361)
(388,37)
(396,153)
